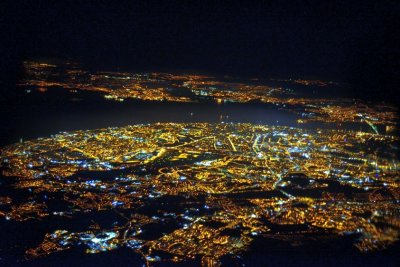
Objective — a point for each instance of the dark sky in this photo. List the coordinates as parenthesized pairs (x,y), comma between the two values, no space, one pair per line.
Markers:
(352,41)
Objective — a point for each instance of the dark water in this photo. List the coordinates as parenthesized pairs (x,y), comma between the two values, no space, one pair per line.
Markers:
(42,114)
(35,114)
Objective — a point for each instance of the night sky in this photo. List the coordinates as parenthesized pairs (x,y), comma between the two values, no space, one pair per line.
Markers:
(356,42)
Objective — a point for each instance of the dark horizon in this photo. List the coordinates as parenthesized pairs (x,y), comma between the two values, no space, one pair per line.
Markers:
(355,43)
